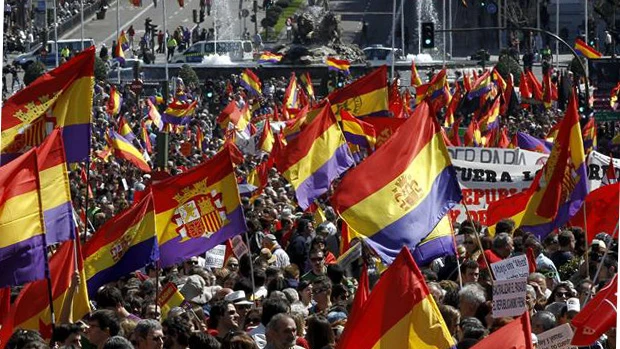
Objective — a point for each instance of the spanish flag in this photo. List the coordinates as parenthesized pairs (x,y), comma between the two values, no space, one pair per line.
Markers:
(398,194)
(178,112)
(415,77)
(125,150)
(198,209)
(357,131)
(338,65)
(55,190)
(31,309)
(586,50)
(22,239)
(268,57)
(399,313)
(124,244)
(113,107)
(67,94)
(251,82)
(168,298)
(311,161)
(557,191)
(367,96)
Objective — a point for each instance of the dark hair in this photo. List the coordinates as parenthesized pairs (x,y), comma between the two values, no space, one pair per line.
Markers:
(505,226)
(109,297)
(272,307)
(63,331)
(201,340)
(177,326)
(564,238)
(338,291)
(117,342)
(244,284)
(277,284)
(469,264)
(21,338)
(303,284)
(238,340)
(259,277)
(321,282)
(218,310)
(335,273)
(319,333)
(107,319)
(483,310)
(291,271)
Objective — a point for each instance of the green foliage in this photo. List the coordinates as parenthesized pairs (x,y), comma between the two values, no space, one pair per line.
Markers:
(508,65)
(33,71)
(188,75)
(101,70)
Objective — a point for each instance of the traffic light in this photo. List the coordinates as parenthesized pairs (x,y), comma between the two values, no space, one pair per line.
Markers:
(428,35)
(195,15)
(202,15)
(253,18)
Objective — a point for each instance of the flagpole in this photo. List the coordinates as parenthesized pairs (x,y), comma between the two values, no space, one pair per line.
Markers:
(393,38)
(165,49)
(118,36)
(56,32)
(479,242)
(600,264)
(247,241)
(585,241)
(402,26)
(82,23)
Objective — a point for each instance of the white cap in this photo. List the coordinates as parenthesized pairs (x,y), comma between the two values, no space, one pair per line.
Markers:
(573,304)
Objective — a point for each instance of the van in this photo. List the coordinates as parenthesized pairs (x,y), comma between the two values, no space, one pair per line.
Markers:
(237,50)
(47,53)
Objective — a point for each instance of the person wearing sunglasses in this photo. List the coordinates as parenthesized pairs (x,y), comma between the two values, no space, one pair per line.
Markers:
(317,265)
(561,293)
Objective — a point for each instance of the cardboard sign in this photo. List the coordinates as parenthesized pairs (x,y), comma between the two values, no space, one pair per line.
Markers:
(214,258)
(556,338)
(511,268)
(239,247)
(509,297)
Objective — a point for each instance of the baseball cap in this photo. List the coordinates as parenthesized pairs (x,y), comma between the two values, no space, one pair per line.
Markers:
(573,304)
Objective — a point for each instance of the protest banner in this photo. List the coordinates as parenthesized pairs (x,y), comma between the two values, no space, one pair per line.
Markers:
(556,338)
(509,297)
(498,156)
(511,268)
(214,258)
(597,166)
(483,183)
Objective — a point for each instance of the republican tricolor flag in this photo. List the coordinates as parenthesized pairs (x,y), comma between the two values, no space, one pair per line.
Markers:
(586,50)
(338,65)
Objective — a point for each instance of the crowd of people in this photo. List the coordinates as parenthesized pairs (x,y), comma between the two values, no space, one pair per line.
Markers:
(290,290)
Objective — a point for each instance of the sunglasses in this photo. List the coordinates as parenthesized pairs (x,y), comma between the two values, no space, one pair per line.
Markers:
(562,294)
(233,265)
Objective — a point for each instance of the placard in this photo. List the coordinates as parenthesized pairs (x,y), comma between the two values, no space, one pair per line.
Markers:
(214,258)
(511,268)
(509,297)
(239,247)
(556,338)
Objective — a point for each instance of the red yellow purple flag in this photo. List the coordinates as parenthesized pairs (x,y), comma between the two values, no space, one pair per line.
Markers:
(198,209)
(557,191)
(22,238)
(312,160)
(62,98)
(31,308)
(399,313)
(367,96)
(398,194)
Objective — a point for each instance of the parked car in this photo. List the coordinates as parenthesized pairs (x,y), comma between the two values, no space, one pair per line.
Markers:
(47,53)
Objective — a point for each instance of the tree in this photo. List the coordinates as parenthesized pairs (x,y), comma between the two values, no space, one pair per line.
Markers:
(101,70)
(33,72)
(508,65)
(188,75)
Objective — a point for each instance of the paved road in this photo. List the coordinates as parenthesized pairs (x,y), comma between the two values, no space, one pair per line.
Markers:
(104,31)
